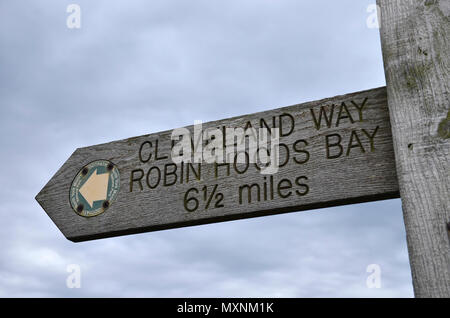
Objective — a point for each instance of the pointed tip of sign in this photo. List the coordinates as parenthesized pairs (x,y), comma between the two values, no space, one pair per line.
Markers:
(38,197)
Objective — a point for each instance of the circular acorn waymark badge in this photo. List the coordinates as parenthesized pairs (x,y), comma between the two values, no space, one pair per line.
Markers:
(95,188)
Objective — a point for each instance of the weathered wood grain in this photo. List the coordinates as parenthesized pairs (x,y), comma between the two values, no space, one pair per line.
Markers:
(361,173)
(415,37)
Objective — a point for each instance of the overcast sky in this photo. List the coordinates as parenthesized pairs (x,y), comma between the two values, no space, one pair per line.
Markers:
(138,67)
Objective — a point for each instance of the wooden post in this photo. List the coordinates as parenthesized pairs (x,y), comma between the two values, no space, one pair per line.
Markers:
(415,38)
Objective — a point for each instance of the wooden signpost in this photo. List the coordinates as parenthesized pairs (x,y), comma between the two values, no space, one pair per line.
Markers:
(333,151)
(415,37)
